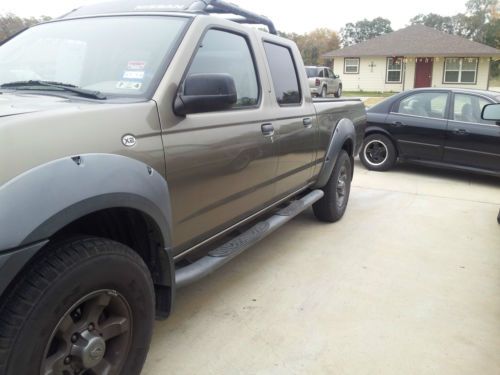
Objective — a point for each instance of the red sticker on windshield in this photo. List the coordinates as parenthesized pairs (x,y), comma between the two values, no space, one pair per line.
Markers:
(136,65)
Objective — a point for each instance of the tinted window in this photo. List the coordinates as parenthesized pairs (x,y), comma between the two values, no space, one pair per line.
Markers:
(322,73)
(224,52)
(311,72)
(331,73)
(284,74)
(425,104)
(468,108)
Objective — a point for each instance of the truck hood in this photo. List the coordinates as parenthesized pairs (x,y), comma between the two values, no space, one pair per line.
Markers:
(17,103)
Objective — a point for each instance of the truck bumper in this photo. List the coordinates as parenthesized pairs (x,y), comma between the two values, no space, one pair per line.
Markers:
(12,261)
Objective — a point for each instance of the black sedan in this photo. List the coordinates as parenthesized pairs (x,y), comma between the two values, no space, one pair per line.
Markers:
(436,127)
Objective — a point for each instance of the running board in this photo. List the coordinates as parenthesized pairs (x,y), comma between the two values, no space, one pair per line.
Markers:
(224,253)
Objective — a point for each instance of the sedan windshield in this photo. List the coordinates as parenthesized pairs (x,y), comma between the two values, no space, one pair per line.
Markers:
(121,56)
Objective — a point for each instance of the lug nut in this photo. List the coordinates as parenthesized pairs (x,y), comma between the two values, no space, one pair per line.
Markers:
(91,327)
(74,338)
(67,360)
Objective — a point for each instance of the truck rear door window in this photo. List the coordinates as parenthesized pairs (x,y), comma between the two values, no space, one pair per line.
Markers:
(225,52)
(284,74)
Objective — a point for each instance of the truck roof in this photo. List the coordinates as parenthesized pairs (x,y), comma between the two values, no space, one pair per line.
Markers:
(184,6)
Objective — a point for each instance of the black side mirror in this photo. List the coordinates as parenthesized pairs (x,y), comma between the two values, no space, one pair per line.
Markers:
(491,112)
(206,93)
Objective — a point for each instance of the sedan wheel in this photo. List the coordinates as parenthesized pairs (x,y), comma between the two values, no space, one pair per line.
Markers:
(378,153)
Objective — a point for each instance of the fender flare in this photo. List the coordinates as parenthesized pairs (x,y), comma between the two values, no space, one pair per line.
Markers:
(343,132)
(43,200)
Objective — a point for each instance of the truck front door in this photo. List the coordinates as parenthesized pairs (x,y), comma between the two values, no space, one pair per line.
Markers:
(220,166)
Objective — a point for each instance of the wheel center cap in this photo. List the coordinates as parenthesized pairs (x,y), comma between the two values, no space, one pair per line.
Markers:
(91,349)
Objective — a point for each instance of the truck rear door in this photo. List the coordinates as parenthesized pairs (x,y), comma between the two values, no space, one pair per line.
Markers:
(295,122)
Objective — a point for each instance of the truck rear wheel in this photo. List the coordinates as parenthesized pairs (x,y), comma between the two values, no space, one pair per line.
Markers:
(84,306)
(332,206)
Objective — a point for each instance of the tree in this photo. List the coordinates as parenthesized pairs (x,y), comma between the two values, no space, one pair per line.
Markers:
(314,44)
(479,22)
(353,33)
(11,24)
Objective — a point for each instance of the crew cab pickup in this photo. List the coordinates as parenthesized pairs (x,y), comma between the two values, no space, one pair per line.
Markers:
(144,145)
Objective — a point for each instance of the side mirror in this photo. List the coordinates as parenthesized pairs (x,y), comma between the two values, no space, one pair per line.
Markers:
(491,112)
(336,76)
(206,93)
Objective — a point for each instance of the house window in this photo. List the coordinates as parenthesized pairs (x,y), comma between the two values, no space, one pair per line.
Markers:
(394,70)
(460,70)
(351,66)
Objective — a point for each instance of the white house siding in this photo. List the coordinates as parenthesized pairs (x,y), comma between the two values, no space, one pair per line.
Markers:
(482,75)
(368,80)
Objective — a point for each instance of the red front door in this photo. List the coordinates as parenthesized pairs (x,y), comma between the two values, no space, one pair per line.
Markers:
(423,72)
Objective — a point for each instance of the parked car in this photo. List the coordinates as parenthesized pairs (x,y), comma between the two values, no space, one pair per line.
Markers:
(438,127)
(323,82)
(134,136)
(491,112)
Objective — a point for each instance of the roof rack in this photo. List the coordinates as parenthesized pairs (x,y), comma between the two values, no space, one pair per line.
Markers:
(225,8)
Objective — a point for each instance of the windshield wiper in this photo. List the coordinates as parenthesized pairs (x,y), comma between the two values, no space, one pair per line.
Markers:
(57,85)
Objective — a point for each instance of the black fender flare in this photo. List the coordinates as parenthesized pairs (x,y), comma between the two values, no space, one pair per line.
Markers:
(343,132)
(43,200)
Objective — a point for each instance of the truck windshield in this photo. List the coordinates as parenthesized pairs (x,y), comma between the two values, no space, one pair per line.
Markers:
(122,55)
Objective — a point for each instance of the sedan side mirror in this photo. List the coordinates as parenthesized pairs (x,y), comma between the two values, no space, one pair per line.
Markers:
(491,112)
(208,92)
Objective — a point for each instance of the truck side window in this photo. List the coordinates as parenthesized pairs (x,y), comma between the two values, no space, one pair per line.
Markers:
(225,52)
(284,74)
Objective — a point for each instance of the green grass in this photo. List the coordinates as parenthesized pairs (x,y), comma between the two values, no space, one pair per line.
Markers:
(371,94)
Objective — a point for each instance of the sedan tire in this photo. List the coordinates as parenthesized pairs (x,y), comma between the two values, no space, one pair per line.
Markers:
(378,153)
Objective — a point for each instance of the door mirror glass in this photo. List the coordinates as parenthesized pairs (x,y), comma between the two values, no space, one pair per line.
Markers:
(491,112)
(208,92)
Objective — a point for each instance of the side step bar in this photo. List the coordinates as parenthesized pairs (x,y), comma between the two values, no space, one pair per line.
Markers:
(224,253)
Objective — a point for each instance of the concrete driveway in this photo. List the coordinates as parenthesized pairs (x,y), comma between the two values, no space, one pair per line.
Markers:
(407,283)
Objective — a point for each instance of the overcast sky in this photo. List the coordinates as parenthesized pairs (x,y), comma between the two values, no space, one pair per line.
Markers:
(297,16)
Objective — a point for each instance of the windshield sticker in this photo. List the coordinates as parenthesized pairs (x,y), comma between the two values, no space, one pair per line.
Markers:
(134,74)
(127,85)
(136,65)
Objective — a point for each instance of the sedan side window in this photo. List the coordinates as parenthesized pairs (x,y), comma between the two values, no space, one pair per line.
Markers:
(225,52)
(468,108)
(425,104)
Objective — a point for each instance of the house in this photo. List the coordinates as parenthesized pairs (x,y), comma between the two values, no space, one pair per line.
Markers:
(416,56)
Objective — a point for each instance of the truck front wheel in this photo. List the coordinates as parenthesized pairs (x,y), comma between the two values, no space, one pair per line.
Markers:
(84,306)
(332,206)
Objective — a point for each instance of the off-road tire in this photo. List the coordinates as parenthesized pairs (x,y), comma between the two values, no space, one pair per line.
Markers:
(54,282)
(332,207)
(378,153)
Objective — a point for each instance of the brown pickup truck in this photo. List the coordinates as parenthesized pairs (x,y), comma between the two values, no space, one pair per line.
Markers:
(144,145)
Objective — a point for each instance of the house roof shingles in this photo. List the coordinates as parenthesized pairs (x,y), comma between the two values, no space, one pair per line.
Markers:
(416,40)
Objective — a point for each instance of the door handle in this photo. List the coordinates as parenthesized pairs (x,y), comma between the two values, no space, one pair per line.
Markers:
(267,129)
(398,123)
(308,122)
(460,132)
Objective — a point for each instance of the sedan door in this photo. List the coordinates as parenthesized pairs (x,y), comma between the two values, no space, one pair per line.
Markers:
(471,141)
(418,124)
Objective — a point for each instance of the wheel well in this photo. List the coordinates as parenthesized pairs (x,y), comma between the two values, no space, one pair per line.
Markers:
(348,147)
(136,230)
